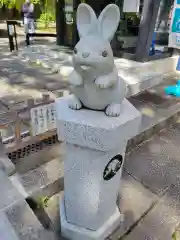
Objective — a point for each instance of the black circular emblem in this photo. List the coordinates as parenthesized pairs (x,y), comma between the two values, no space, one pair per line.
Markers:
(112,167)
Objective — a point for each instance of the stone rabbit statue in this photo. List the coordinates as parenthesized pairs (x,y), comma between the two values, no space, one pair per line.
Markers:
(95,83)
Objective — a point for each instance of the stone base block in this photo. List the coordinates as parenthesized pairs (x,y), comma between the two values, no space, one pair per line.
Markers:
(5,163)
(74,232)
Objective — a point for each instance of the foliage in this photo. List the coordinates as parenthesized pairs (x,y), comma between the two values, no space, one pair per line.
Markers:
(47,8)
(43,202)
(48,12)
(176,236)
(48,16)
(15,3)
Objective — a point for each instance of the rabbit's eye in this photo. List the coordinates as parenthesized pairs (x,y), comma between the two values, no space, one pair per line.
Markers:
(75,51)
(104,54)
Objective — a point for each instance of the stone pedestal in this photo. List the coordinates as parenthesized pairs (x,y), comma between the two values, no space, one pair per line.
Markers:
(95,149)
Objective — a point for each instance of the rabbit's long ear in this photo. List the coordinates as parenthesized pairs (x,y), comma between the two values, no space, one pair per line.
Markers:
(86,19)
(109,21)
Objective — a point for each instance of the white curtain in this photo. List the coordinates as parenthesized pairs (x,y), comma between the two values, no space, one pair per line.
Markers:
(131,5)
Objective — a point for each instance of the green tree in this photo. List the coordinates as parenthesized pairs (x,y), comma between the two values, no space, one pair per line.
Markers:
(15,3)
(48,12)
(47,8)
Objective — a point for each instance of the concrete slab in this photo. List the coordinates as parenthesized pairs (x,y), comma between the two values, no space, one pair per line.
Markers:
(5,163)
(140,83)
(6,230)
(39,158)
(45,180)
(138,76)
(134,202)
(150,114)
(10,193)
(158,110)
(172,135)
(155,163)
(162,220)
(171,200)
(158,98)
(52,211)
(168,79)
(25,223)
(15,101)
(158,224)
(31,77)
(84,128)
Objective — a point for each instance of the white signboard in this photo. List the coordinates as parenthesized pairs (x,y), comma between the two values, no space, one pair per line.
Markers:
(68,8)
(11,30)
(174,32)
(131,6)
(43,119)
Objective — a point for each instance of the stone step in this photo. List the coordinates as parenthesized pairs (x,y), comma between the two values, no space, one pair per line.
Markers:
(61,64)
(6,164)
(142,197)
(47,181)
(149,190)
(158,111)
(17,220)
(156,165)
(6,230)
(136,81)
(22,222)
(63,53)
(43,181)
(39,157)
(151,66)
(52,212)
(40,183)
(138,76)
(53,65)
(39,174)
(54,51)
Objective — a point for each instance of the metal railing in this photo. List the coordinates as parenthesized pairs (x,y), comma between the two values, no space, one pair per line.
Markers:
(28,35)
(12,35)
(16,117)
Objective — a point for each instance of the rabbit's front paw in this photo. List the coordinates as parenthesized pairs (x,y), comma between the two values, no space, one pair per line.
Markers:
(75,79)
(74,103)
(113,110)
(103,82)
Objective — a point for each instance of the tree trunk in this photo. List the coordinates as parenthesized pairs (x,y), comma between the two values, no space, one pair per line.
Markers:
(98,6)
(60,22)
(146,29)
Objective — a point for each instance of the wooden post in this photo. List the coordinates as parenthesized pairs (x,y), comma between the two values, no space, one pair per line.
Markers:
(10,36)
(46,98)
(60,21)
(25,116)
(98,6)
(75,37)
(17,128)
(146,29)
(15,36)
(30,103)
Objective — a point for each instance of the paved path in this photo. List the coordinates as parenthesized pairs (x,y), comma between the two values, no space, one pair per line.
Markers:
(155,165)
(20,81)
(151,180)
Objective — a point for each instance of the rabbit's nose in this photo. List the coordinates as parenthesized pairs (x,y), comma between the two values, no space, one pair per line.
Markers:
(85,54)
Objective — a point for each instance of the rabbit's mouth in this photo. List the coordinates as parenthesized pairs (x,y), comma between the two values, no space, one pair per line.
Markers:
(86,67)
